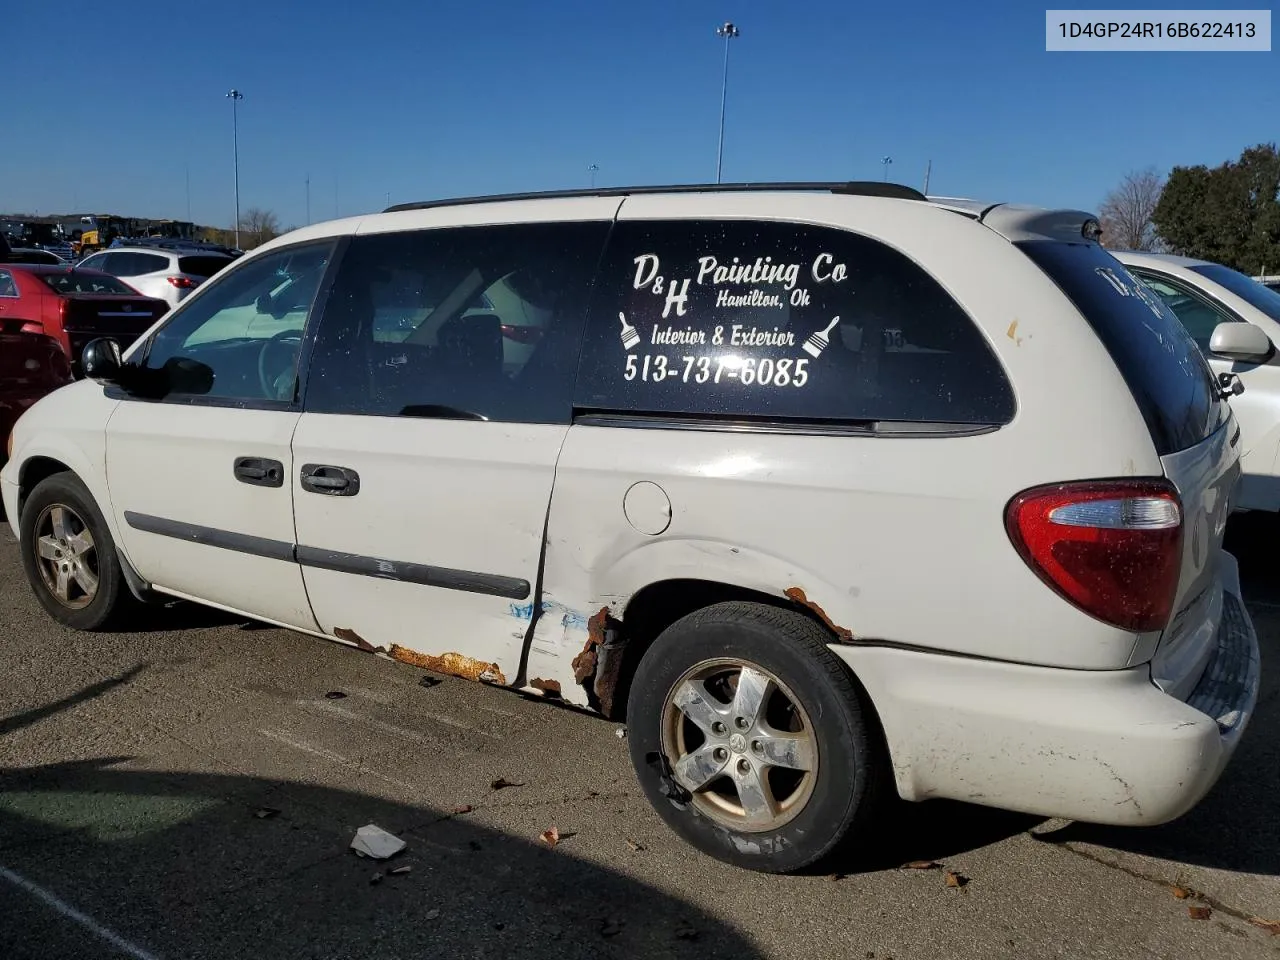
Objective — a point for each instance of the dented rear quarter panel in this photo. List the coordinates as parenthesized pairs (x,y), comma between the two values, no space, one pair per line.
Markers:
(899,540)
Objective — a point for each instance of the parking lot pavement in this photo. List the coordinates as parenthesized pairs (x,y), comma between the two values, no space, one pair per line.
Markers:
(189,790)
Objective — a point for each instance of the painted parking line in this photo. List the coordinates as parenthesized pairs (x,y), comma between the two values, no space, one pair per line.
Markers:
(71,913)
(281,737)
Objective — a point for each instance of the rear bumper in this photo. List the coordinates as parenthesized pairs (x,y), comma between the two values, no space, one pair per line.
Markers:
(1098,746)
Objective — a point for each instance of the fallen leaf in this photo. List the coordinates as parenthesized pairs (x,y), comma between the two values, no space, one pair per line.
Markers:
(376,878)
(429,682)
(620,733)
(396,871)
(1199,913)
(502,783)
(922,865)
(334,695)
(610,928)
(1271,926)
(262,813)
(956,879)
(635,847)
(686,931)
(550,836)
(1181,893)
(432,915)
(465,808)
(837,877)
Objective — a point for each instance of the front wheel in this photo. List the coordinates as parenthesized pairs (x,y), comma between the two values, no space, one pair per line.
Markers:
(69,556)
(751,740)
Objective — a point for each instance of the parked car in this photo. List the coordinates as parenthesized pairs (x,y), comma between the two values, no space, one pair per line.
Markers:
(73,306)
(1236,322)
(829,491)
(168,275)
(31,365)
(35,255)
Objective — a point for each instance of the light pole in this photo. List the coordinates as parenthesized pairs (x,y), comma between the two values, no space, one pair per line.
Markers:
(592,170)
(308,199)
(728,31)
(234,96)
(885,161)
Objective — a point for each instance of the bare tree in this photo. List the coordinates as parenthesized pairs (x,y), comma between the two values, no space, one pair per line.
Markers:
(1126,211)
(257,226)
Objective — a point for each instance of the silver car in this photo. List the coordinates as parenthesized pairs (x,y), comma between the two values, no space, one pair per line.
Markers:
(168,275)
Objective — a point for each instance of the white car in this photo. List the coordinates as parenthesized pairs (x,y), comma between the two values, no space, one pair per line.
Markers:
(169,275)
(1236,322)
(829,491)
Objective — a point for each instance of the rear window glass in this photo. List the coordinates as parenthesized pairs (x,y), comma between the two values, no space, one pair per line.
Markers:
(751,320)
(140,263)
(201,266)
(78,281)
(1246,288)
(1165,370)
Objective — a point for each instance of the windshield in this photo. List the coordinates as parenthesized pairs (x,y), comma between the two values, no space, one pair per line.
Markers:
(78,281)
(1246,288)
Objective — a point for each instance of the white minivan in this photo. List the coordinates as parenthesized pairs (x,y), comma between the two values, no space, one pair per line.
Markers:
(828,490)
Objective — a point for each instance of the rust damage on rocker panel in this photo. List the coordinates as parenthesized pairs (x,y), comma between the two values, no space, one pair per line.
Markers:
(599,665)
(549,687)
(797,595)
(450,664)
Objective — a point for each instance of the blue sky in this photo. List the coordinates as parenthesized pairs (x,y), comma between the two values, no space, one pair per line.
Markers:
(112,105)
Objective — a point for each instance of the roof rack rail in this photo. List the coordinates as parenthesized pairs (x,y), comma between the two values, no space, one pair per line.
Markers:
(864,188)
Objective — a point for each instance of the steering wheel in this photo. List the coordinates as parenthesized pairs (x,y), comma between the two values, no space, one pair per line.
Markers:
(272,387)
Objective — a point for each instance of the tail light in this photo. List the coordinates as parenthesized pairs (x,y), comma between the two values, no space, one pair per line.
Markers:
(521,334)
(1111,548)
(182,283)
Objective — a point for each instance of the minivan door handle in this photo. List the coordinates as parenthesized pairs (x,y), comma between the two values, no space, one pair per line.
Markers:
(330,480)
(259,471)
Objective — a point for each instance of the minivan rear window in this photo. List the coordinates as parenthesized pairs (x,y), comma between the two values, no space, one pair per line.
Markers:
(1167,374)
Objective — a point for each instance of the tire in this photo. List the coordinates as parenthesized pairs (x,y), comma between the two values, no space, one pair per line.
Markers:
(815,812)
(65,495)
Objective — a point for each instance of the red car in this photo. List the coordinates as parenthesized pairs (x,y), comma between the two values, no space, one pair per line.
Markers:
(73,306)
(31,365)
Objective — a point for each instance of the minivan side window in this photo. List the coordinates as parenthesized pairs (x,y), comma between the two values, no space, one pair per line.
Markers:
(246,325)
(747,319)
(461,322)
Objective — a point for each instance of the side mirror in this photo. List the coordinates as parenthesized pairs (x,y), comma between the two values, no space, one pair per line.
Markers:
(100,360)
(1240,341)
(187,376)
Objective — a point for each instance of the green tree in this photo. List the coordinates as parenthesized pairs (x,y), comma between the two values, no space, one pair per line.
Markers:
(1229,214)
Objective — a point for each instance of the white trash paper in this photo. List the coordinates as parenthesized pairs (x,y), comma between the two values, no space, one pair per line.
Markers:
(374,842)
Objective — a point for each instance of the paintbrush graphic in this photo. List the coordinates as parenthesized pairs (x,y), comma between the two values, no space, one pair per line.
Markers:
(629,336)
(818,342)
